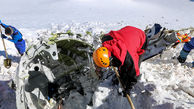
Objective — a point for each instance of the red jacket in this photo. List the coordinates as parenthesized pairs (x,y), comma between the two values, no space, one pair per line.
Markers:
(128,39)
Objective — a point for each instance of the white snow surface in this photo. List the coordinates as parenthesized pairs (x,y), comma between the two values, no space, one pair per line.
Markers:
(168,84)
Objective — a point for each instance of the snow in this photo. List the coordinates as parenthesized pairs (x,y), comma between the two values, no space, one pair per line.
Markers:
(165,84)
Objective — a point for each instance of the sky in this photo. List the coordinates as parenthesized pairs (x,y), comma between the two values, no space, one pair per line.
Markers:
(42,13)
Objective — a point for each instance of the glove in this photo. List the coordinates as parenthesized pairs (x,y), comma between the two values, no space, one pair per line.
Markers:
(3,36)
(128,88)
(126,91)
(183,38)
(181,60)
(0,22)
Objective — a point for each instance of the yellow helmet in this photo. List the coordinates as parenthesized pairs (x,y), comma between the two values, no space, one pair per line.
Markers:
(100,57)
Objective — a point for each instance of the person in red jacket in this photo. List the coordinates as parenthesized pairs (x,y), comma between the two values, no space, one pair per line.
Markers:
(128,47)
(124,48)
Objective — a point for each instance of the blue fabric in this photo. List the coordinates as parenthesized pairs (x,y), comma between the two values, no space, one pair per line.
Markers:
(4,25)
(16,34)
(187,48)
(20,46)
(3,36)
(154,30)
(16,37)
(189,45)
(183,54)
(157,28)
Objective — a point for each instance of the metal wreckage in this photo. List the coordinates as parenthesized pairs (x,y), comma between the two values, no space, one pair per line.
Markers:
(52,76)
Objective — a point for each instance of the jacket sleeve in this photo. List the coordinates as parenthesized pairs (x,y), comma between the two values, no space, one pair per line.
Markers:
(15,38)
(128,73)
(4,25)
(189,45)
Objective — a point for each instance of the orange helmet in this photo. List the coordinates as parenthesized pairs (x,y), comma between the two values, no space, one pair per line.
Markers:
(100,57)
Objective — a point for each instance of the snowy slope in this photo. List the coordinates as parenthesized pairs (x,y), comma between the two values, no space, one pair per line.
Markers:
(171,85)
(168,84)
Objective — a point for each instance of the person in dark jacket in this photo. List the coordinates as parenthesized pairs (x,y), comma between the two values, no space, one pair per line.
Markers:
(128,47)
(185,51)
(16,37)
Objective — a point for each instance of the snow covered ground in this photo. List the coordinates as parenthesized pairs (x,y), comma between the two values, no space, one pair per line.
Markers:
(168,84)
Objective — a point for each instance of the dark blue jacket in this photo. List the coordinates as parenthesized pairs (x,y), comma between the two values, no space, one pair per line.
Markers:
(16,34)
(189,45)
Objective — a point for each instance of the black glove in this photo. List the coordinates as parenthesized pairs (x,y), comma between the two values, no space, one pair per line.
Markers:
(126,91)
(128,88)
(181,60)
(3,36)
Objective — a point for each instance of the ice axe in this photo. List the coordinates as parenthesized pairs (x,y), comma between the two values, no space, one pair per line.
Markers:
(175,44)
(7,61)
(127,95)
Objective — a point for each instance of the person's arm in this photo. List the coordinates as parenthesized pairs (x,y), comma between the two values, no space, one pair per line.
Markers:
(189,45)
(4,36)
(4,25)
(15,39)
(185,51)
(12,40)
(183,56)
